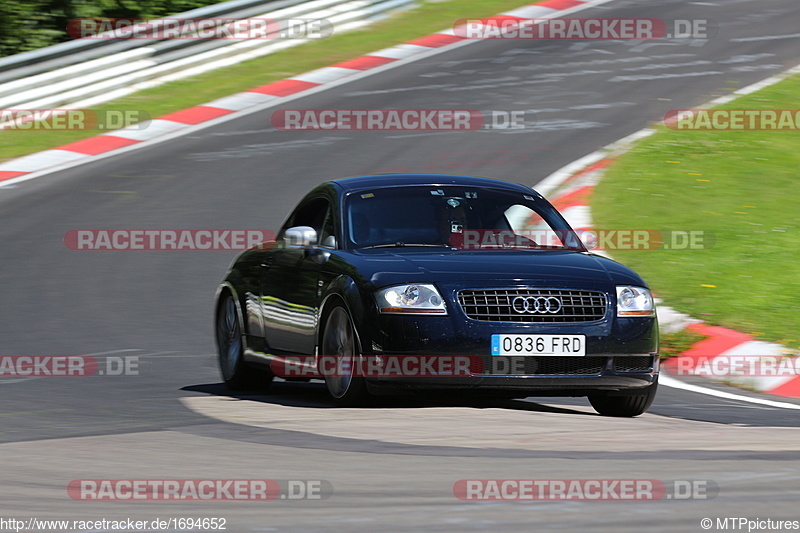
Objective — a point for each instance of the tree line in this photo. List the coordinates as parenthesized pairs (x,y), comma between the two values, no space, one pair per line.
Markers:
(31,24)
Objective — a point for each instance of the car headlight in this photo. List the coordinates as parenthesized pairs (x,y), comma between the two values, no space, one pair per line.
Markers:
(634,301)
(410,299)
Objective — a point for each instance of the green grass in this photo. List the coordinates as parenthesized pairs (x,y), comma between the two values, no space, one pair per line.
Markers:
(742,188)
(674,344)
(429,17)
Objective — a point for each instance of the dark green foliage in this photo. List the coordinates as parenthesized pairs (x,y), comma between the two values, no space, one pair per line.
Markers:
(31,24)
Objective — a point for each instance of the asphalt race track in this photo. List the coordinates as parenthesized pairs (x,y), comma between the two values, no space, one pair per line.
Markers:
(393,467)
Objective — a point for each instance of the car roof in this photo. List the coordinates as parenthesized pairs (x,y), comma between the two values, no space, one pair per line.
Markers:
(394,180)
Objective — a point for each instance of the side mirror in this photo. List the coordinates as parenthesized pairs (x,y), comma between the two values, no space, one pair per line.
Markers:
(300,236)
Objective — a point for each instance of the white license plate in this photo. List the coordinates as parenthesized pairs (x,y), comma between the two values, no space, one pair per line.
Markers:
(539,345)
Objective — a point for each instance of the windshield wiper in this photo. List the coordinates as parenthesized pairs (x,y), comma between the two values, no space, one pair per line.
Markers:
(403,245)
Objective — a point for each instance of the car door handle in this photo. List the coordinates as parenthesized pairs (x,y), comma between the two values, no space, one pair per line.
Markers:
(266,263)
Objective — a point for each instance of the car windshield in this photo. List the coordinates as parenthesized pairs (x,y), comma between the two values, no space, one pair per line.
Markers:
(455,217)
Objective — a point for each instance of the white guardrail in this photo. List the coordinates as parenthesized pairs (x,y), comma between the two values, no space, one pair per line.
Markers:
(90,71)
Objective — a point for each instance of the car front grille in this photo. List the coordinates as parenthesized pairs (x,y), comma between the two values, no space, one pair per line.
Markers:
(533,305)
(546,366)
(636,363)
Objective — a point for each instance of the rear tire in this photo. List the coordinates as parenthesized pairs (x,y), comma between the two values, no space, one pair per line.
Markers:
(339,341)
(624,406)
(236,373)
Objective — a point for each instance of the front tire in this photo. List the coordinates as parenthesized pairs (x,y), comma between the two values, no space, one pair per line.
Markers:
(230,351)
(339,342)
(624,406)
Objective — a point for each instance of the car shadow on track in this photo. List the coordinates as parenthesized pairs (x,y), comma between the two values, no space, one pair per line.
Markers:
(314,395)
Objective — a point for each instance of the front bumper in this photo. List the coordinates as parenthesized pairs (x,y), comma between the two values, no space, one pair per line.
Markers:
(531,385)
(621,353)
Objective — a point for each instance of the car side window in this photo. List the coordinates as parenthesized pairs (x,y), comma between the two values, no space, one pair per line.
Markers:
(327,238)
(525,222)
(312,213)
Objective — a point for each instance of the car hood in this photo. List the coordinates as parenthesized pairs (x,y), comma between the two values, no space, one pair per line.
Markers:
(386,267)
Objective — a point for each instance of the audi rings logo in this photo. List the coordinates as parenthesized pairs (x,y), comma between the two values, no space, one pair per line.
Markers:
(536,304)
